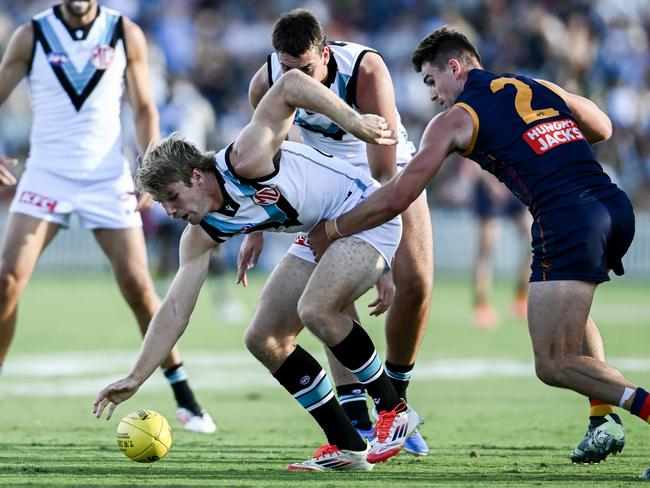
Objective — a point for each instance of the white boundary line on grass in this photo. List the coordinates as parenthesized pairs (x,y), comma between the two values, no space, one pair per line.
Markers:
(85,373)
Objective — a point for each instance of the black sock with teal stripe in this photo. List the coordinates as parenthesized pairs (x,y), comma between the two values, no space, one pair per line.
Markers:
(352,398)
(177,378)
(357,353)
(400,376)
(302,376)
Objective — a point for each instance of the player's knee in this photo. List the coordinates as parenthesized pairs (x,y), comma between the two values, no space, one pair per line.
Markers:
(9,285)
(262,345)
(417,286)
(311,315)
(256,343)
(137,291)
(548,371)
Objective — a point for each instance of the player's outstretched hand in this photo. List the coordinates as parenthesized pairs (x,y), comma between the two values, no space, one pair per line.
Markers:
(6,178)
(249,253)
(113,395)
(374,129)
(385,292)
(318,240)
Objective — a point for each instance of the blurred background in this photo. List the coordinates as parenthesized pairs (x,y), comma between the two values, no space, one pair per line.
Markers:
(203,53)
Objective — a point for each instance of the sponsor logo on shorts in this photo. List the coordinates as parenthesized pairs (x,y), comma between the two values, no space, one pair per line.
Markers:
(548,135)
(266,196)
(301,240)
(41,201)
(102,56)
(305,380)
(57,59)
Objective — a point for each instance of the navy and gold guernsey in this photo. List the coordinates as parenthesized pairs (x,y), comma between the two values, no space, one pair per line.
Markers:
(525,135)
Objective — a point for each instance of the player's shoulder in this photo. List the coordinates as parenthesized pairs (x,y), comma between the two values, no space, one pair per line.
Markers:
(130,27)
(24,32)
(349,50)
(460,114)
(22,41)
(134,37)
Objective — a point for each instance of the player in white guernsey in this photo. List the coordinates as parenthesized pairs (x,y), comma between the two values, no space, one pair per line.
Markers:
(261,182)
(78,57)
(358,75)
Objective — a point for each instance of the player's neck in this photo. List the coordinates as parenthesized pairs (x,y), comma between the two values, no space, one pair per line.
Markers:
(75,21)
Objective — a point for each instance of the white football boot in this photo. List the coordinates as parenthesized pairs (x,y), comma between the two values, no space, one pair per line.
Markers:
(329,457)
(196,423)
(391,432)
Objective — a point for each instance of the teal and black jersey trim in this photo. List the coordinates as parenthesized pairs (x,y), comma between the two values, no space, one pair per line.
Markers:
(279,214)
(78,85)
(333,131)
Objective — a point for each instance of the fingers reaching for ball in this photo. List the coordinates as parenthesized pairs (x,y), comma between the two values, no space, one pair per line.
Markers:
(113,395)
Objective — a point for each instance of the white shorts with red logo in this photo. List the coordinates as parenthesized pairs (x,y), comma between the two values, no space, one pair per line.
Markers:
(384,238)
(105,204)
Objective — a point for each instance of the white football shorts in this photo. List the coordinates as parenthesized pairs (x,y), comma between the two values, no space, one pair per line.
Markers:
(384,238)
(104,204)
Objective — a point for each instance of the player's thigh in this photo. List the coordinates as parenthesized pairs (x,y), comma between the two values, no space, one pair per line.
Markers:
(276,315)
(557,316)
(414,256)
(25,238)
(349,267)
(126,251)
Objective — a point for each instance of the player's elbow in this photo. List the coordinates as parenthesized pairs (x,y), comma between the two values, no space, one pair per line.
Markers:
(146,113)
(288,86)
(397,202)
(607,129)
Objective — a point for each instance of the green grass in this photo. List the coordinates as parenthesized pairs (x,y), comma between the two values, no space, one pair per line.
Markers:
(505,431)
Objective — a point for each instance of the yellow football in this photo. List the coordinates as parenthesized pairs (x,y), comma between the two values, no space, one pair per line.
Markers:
(144,436)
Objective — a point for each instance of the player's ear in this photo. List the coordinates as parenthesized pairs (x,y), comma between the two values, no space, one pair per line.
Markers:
(326,54)
(197,175)
(455,66)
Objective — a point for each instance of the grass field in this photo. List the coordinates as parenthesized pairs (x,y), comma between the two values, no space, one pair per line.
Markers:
(489,421)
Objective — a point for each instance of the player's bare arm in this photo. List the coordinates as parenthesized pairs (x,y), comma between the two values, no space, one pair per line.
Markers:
(594,123)
(375,95)
(258,86)
(16,59)
(257,143)
(13,68)
(145,113)
(448,132)
(170,321)
(138,89)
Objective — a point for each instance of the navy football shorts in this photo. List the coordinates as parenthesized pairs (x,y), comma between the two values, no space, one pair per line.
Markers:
(583,242)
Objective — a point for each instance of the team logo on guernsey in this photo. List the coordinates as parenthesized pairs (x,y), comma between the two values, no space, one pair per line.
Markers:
(266,196)
(57,59)
(102,56)
(548,135)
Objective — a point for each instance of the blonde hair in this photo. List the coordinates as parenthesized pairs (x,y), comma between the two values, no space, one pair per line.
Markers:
(169,161)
